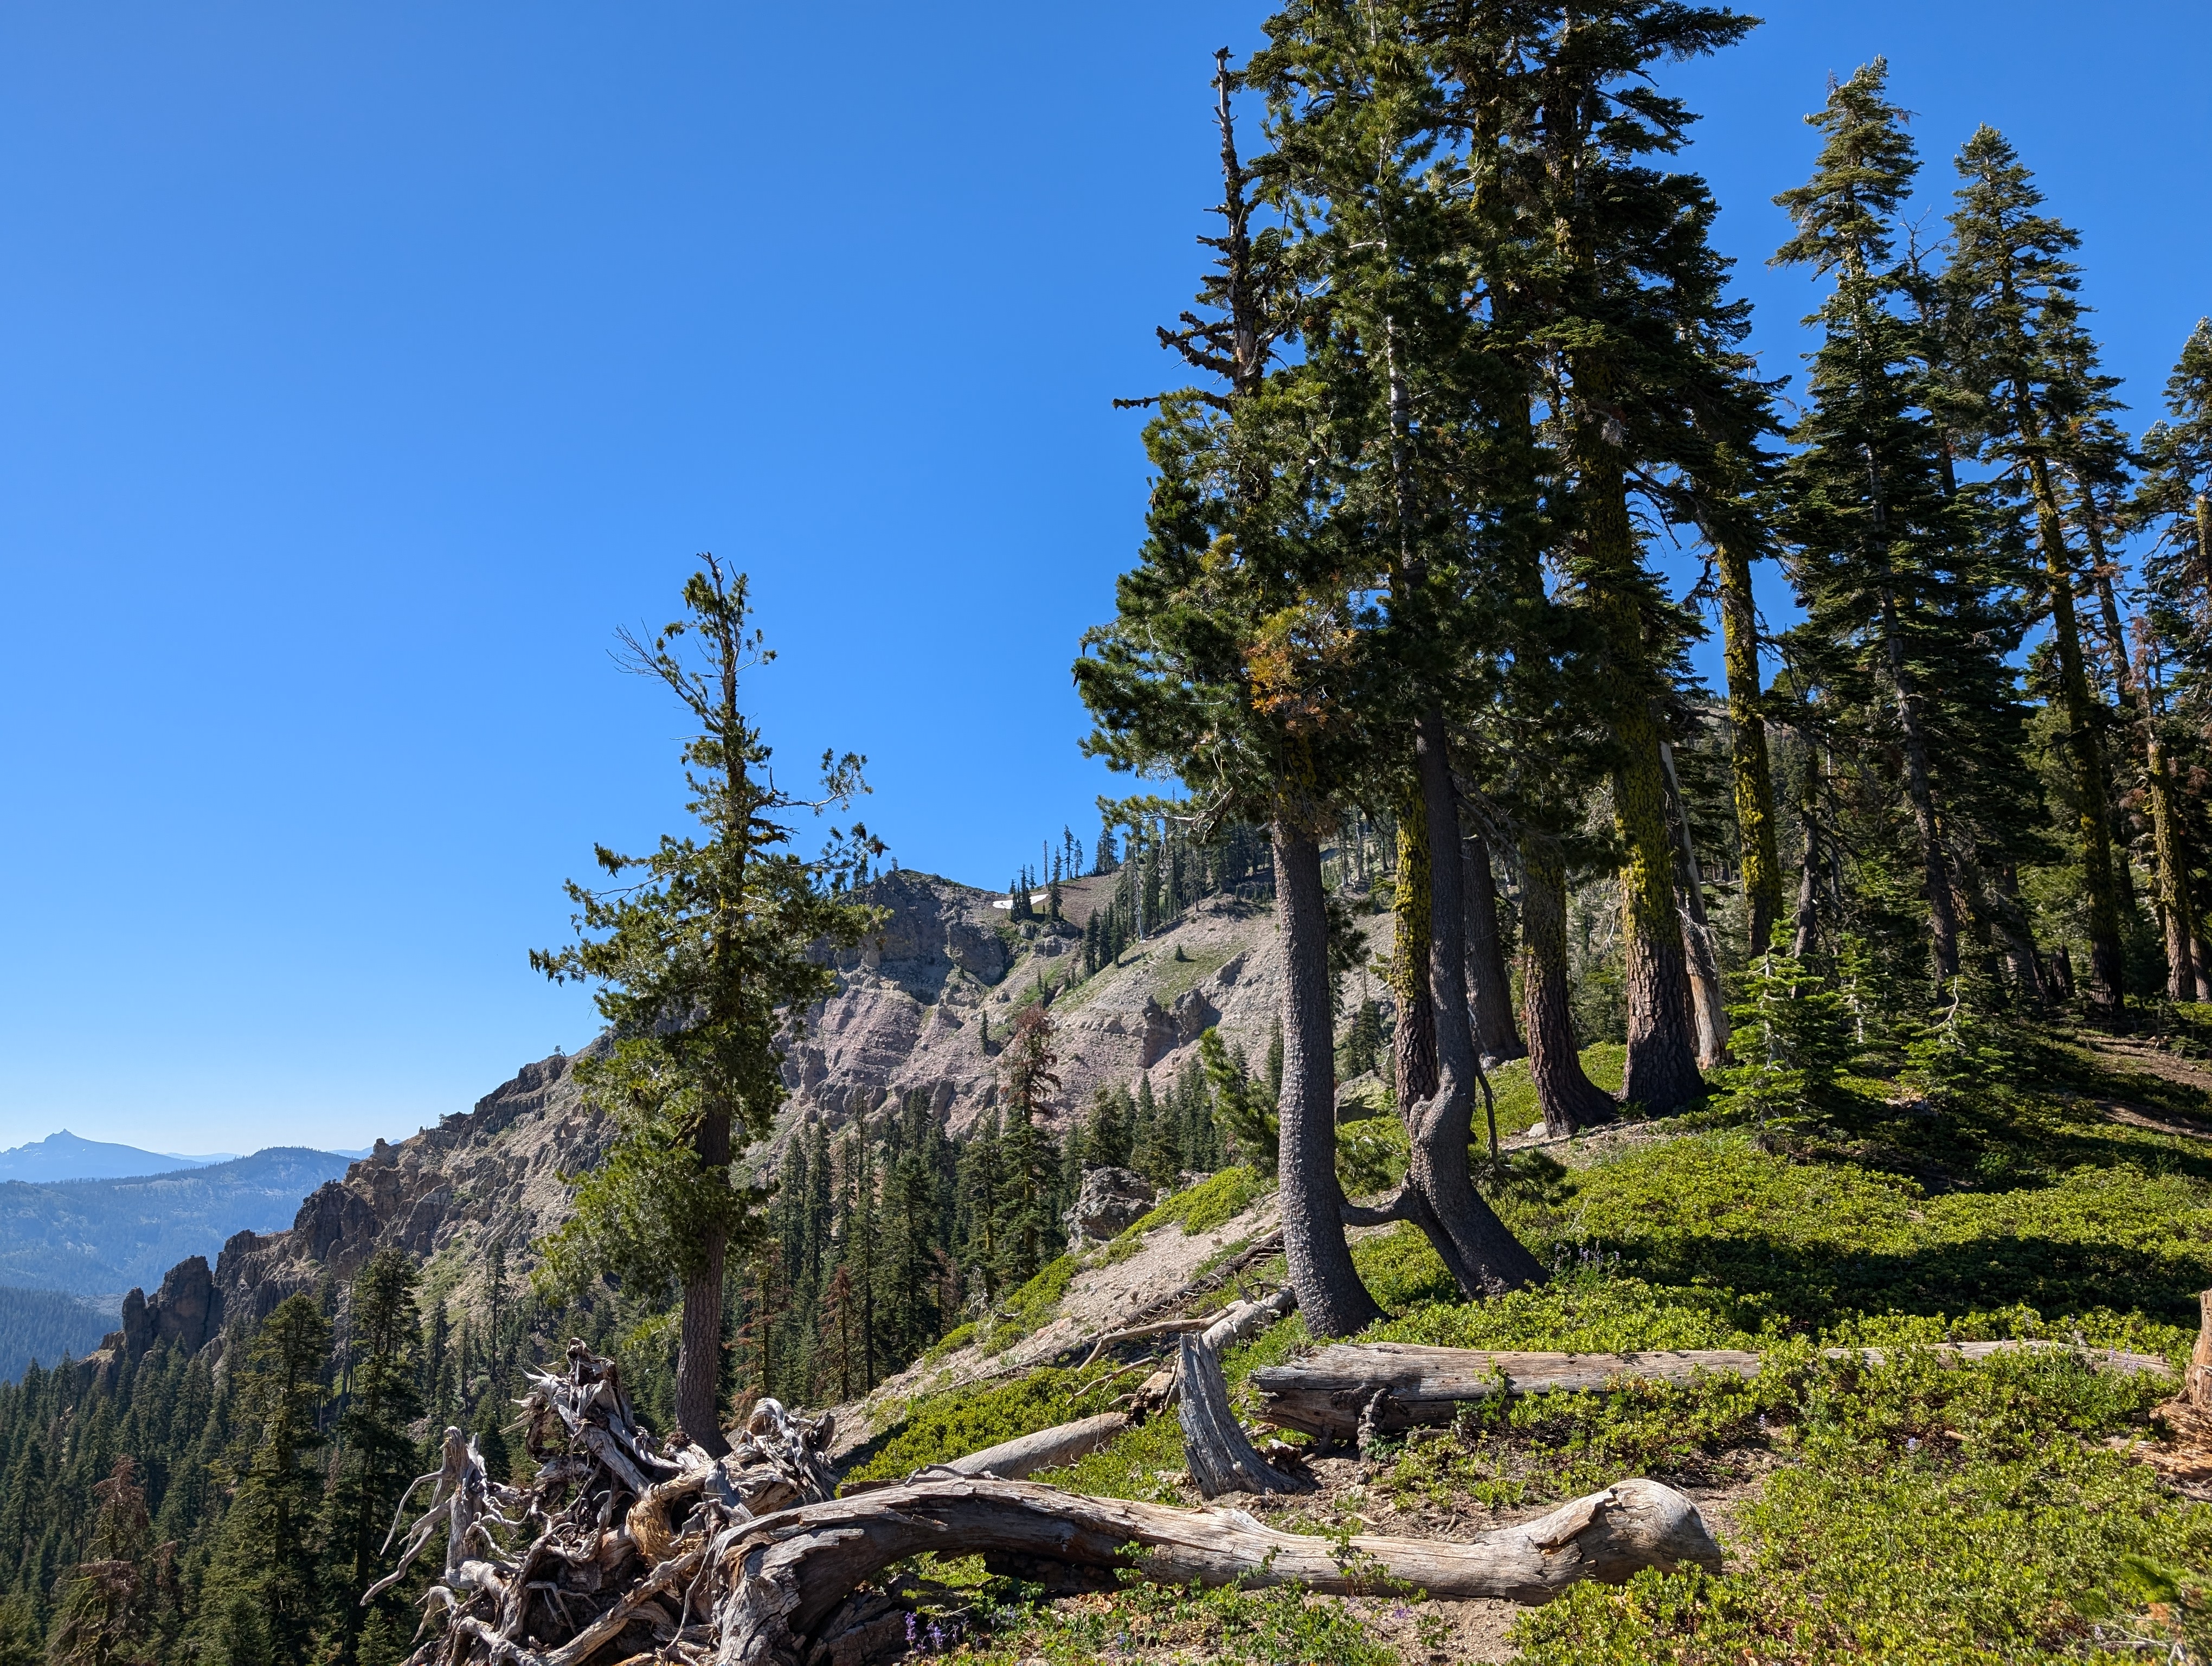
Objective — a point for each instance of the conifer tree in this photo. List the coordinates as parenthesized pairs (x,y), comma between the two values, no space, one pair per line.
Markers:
(103,1619)
(376,1455)
(1229,664)
(268,1555)
(697,969)
(1887,567)
(1028,1230)
(2014,293)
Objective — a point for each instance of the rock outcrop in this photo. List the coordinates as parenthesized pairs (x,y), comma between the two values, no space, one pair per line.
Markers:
(1110,1202)
(925,1006)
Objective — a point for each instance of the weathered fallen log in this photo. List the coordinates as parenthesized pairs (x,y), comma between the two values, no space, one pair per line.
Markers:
(1328,1393)
(1047,1449)
(1246,1318)
(1220,1457)
(787,1574)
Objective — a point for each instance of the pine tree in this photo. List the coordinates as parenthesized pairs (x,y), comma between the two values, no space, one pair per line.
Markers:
(698,968)
(1245,1108)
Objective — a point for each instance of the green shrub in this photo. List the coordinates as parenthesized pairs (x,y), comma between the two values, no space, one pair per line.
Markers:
(1214,1202)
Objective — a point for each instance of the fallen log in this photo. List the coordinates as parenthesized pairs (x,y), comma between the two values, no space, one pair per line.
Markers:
(1328,1393)
(1047,1449)
(787,1574)
(1216,1449)
(1246,1318)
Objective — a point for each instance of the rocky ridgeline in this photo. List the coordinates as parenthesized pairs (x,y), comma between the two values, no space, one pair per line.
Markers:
(909,1015)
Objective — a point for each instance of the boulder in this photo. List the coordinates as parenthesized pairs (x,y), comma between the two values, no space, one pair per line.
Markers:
(1110,1202)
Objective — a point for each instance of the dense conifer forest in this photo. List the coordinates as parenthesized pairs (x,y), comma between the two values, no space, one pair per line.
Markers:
(1860,931)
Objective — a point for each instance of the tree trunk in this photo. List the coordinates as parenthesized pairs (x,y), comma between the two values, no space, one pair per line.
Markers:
(1748,751)
(1662,1063)
(2108,989)
(1699,949)
(1571,1101)
(1047,1449)
(1439,1195)
(1330,1294)
(791,1573)
(1414,1050)
(1219,1456)
(1329,1393)
(1489,991)
(699,1343)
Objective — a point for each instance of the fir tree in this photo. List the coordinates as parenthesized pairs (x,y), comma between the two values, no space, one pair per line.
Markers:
(1029,1233)
(698,969)
(268,1554)
(1900,628)
(376,1455)
(2014,294)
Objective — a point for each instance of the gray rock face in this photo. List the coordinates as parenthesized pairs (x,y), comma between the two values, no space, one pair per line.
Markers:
(975,950)
(1111,1201)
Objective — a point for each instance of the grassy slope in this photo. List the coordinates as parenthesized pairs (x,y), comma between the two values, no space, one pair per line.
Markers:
(1909,1512)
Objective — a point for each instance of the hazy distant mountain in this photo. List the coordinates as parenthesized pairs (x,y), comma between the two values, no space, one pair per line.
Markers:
(45,1324)
(64,1156)
(98,1238)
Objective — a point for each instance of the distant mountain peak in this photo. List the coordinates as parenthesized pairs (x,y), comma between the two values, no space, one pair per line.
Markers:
(62,1155)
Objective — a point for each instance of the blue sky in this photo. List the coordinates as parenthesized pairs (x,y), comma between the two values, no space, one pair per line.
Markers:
(362,368)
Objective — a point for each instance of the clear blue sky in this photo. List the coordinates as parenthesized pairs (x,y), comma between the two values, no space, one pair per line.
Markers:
(363,367)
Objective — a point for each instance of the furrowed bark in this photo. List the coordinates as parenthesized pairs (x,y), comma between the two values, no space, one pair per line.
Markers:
(1490,992)
(1439,1194)
(1571,1101)
(789,1573)
(1699,948)
(1334,1301)
(1661,1073)
(1414,1054)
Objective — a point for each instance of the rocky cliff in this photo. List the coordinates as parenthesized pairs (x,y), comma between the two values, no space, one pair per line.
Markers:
(923,1007)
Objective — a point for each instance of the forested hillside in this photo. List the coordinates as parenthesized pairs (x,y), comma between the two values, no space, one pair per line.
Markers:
(1473,991)
(44,1325)
(98,1237)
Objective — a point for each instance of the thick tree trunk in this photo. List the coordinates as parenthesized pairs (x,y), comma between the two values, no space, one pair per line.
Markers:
(1571,1101)
(2107,988)
(1754,770)
(699,1339)
(1330,1294)
(790,1573)
(1413,1051)
(1663,1063)
(1699,948)
(1439,1195)
(1490,993)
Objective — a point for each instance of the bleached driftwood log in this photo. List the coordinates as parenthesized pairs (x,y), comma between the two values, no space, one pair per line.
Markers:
(785,1575)
(1047,1449)
(1220,1457)
(1328,1393)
